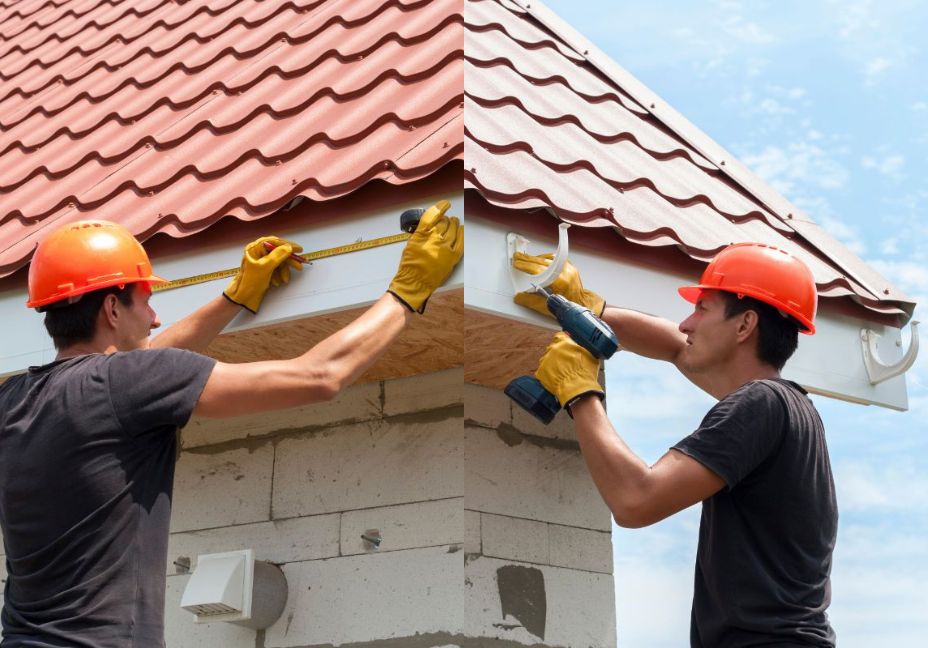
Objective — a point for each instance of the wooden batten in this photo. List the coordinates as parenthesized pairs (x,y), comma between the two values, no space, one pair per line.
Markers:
(431,342)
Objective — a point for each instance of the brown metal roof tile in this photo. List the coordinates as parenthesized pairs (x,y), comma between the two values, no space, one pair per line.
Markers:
(547,128)
(168,117)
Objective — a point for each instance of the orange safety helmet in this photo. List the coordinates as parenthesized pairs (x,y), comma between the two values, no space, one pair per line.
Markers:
(766,273)
(83,256)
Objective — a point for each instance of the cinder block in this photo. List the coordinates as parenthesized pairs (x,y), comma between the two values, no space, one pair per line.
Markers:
(366,465)
(472,544)
(580,548)
(424,392)
(279,541)
(358,403)
(369,598)
(538,605)
(486,407)
(181,631)
(526,480)
(407,526)
(562,427)
(222,489)
(514,538)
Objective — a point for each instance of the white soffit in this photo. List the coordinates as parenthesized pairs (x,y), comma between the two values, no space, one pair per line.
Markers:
(829,363)
(324,286)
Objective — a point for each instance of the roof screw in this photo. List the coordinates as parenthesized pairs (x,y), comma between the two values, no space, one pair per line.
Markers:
(293,182)
(722,163)
(473,170)
(586,52)
(445,145)
(653,106)
(278,162)
(886,291)
(790,215)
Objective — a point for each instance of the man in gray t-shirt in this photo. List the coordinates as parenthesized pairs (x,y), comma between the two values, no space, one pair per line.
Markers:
(88,442)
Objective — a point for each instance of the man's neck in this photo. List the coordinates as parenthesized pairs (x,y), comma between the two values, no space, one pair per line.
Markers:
(84,348)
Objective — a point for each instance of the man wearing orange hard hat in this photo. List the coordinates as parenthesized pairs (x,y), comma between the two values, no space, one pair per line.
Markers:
(758,461)
(88,442)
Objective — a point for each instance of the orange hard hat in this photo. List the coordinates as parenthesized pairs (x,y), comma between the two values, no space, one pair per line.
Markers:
(83,256)
(766,273)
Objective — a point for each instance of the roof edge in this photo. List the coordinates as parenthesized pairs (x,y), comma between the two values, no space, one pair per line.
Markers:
(680,125)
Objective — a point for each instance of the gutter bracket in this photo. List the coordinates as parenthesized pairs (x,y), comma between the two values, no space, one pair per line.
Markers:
(524,282)
(877,370)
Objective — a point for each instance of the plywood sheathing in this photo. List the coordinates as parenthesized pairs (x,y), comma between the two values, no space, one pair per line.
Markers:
(431,342)
(500,349)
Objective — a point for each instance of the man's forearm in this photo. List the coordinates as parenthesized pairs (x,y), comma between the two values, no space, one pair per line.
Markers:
(645,335)
(619,474)
(347,354)
(196,331)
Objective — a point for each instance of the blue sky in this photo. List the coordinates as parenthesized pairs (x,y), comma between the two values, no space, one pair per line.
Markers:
(828,101)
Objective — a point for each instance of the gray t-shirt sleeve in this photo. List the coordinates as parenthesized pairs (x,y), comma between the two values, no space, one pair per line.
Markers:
(153,388)
(739,433)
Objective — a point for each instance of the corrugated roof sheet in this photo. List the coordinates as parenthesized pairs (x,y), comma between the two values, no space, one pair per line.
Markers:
(547,128)
(168,115)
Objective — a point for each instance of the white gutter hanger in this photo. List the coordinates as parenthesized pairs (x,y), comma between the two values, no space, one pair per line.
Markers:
(524,282)
(878,371)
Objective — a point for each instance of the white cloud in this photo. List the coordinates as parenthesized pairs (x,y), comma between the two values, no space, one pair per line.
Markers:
(890,166)
(920,106)
(889,247)
(911,276)
(865,487)
(796,167)
(854,17)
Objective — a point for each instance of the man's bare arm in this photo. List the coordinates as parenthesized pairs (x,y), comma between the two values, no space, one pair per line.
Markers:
(652,337)
(317,375)
(637,495)
(196,331)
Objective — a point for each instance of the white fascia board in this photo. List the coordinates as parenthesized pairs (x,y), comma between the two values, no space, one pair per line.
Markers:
(324,286)
(829,363)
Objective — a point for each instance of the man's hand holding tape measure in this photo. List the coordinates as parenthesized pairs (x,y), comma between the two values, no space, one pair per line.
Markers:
(435,247)
(430,255)
(262,266)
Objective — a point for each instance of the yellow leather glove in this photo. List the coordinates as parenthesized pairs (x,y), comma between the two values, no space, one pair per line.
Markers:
(262,269)
(567,284)
(430,255)
(569,371)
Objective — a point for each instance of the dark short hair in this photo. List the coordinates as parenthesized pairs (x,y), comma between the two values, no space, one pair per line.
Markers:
(69,324)
(777,334)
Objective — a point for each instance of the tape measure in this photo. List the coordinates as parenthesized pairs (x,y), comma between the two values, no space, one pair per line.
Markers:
(307,257)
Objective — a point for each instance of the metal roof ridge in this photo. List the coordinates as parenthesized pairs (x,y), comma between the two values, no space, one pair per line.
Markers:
(680,125)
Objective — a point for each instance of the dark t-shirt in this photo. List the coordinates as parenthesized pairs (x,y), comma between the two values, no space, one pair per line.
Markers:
(87,452)
(766,539)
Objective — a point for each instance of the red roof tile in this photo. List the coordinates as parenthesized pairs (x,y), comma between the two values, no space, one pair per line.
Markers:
(169,115)
(546,127)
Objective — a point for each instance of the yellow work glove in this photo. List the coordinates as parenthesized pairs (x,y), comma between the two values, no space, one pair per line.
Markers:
(569,371)
(567,284)
(430,255)
(262,268)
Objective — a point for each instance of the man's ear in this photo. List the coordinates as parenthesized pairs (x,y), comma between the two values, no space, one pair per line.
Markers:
(747,324)
(109,311)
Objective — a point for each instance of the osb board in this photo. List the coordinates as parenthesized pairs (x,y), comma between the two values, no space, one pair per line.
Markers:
(500,349)
(431,342)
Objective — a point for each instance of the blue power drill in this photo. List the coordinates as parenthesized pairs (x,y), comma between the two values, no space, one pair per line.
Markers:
(585,329)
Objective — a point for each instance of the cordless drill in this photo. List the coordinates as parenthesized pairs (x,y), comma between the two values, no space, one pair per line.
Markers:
(585,329)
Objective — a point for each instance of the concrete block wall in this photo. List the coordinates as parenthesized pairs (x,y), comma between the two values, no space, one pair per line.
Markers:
(300,487)
(493,533)
(537,538)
